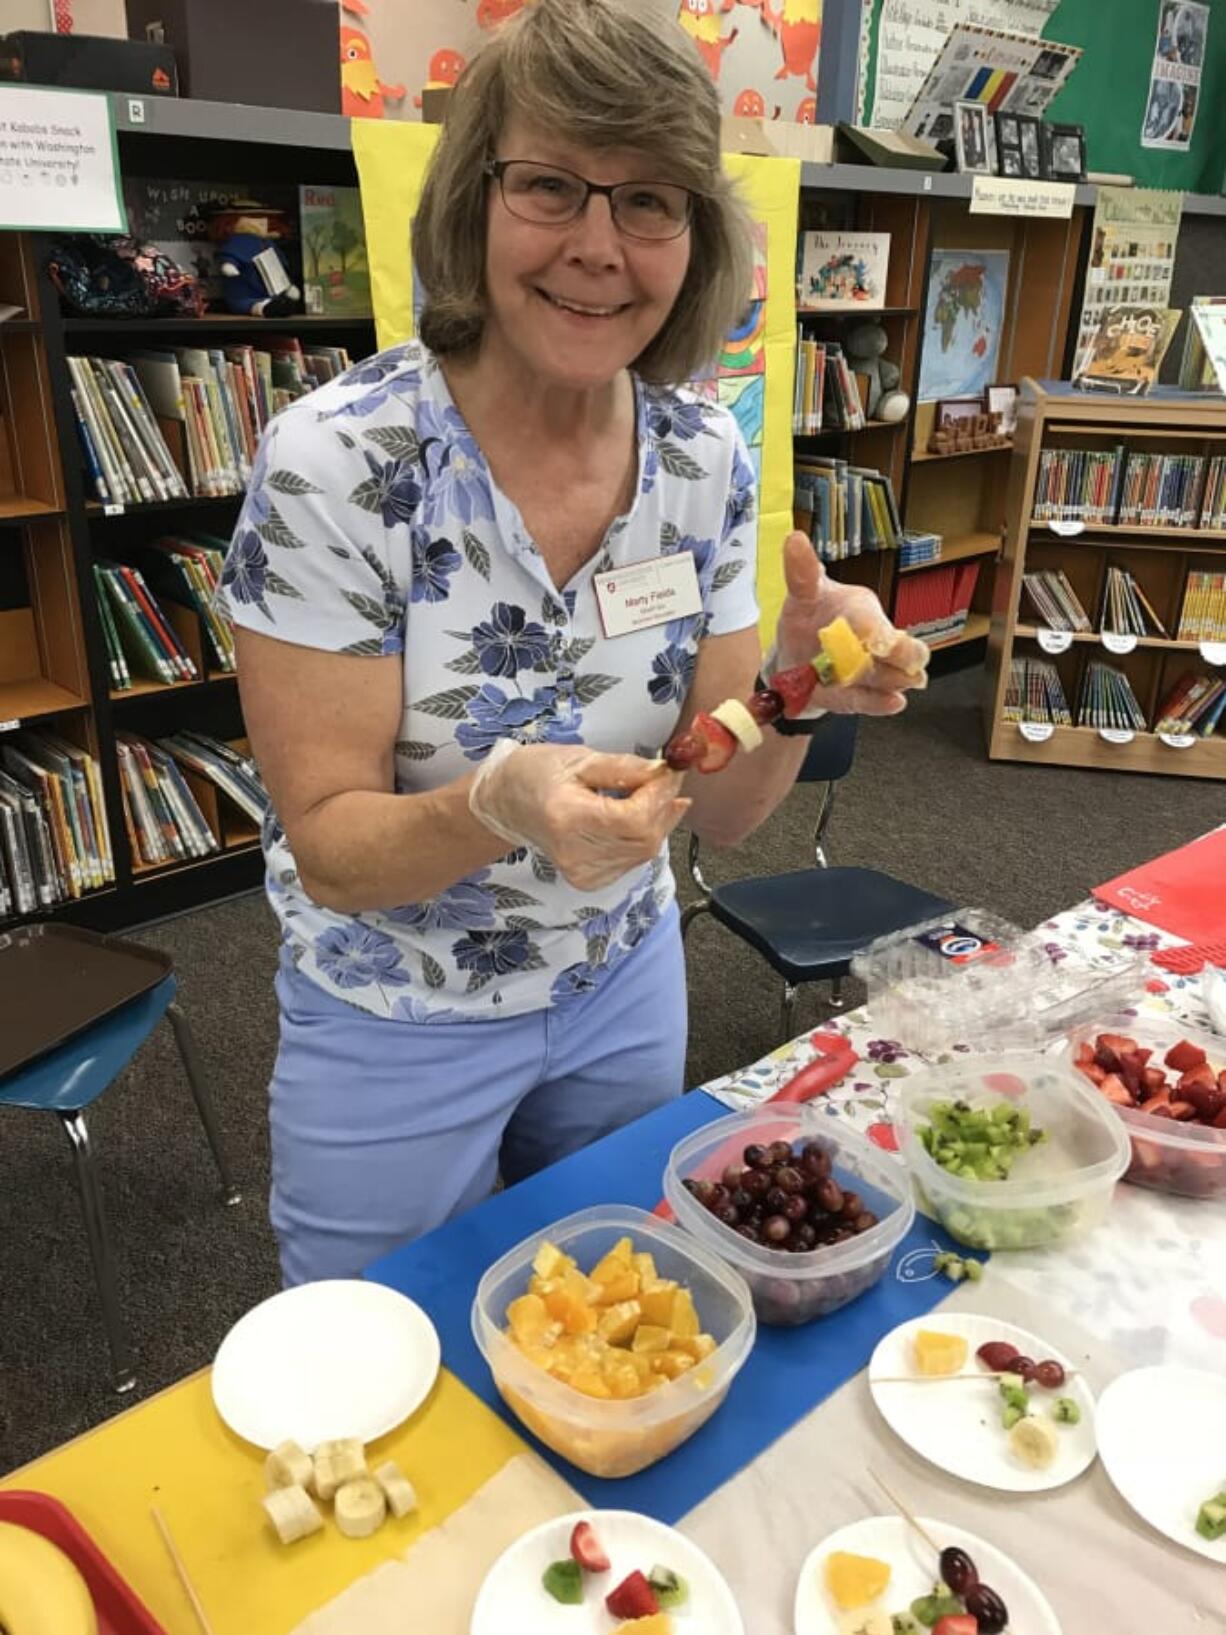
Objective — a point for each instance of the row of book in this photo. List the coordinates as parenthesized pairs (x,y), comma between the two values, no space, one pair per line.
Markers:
(163,817)
(845,509)
(135,603)
(1106,699)
(917,548)
(211,404)
(1054,600)
(1034,693)
(934,605)
(1117,486)
(1195,704)
(1203,614)
(1124,609)
(54,840)
(827,395)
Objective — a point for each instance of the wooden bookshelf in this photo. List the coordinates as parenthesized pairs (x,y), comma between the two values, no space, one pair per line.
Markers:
(1054,415)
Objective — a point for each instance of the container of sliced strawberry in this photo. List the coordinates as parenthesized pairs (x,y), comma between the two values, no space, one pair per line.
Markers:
(1168,1084)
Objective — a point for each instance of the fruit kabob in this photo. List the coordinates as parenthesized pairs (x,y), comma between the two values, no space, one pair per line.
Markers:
(712,739)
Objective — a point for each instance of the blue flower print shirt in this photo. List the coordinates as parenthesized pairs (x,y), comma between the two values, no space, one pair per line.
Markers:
(373,526)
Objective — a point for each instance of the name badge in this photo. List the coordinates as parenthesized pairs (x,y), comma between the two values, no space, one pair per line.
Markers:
(643,594)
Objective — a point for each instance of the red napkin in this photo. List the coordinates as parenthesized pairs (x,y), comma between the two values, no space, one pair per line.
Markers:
(1183,892)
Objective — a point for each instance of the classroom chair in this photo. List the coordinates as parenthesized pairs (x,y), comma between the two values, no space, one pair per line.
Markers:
(77,1007)
(809,923)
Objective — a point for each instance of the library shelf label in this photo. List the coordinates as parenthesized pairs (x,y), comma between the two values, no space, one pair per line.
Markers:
(9,726)
(112,510)
(1177,740)
(1067,530)
(1016,196)
(1116,735)
(1213,652)
(1118,641)
(1036,732)
(1055,641)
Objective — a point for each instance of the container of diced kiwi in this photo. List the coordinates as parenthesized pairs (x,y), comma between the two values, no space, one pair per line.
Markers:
(1014,1153)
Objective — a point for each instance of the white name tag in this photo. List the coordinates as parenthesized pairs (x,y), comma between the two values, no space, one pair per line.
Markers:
(643,594)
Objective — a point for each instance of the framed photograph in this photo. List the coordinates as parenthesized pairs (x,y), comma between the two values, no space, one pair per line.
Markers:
(1028,141)
(1002,400)
(1008,145)
(959,411)
(1064,152)
(973,138)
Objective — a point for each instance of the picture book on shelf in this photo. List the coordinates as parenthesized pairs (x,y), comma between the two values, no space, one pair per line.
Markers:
(844,272)
(174,217)
(1127,350)
(335,273)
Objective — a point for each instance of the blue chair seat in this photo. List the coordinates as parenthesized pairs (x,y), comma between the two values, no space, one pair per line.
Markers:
(74,1074)
(810,923)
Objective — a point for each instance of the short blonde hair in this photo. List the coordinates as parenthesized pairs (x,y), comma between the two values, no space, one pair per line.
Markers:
(602,75)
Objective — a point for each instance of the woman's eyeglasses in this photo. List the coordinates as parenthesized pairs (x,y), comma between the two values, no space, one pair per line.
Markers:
(551,197)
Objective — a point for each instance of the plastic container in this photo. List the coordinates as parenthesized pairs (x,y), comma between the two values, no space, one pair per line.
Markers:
(616,1438)
(1056,1191)
(971,978)
(117,1607)
(1186,1159)
(787,1288)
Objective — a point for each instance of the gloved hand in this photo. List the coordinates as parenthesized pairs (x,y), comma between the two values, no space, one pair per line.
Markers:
(814,600)
(548,796)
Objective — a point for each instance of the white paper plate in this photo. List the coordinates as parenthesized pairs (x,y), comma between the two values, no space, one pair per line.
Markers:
(1162,1436)
(958,1427)
(513,1598)
(330,1359)
(890,1539)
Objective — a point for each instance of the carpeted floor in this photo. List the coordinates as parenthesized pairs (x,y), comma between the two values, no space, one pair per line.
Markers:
(922,801)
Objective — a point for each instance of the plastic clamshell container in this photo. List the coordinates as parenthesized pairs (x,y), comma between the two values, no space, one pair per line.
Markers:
(789,1289)
(1186,1159)
(972,978)
(616,1438)
(1056,1191)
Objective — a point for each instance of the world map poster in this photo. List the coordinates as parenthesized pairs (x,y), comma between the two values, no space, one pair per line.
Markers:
(963,322)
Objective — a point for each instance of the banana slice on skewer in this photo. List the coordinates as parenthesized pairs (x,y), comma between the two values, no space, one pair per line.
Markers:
(360,1507)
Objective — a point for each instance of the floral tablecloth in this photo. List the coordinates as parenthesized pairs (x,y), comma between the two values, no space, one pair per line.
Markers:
(1152,1280)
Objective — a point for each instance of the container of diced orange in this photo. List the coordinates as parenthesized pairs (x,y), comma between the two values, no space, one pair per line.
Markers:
(524,1335)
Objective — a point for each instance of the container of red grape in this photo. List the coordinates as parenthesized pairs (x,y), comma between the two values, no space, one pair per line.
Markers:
(805,1209)
(1168,1084)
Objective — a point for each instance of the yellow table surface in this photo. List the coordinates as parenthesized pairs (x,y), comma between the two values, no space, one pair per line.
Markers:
(173,1451)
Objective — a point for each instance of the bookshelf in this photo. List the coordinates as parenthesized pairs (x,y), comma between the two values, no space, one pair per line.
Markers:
(1159,557)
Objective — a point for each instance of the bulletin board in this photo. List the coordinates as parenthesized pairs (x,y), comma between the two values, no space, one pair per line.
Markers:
(1107,93)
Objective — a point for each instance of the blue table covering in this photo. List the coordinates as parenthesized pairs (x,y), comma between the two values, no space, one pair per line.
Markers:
(789,1371)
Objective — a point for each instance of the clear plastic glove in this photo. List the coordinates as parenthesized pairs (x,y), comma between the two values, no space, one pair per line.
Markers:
(900,662)
(549,796)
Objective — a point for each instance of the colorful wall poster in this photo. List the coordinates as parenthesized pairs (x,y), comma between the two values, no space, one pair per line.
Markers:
(963,322)
(752,375)
(1174,84)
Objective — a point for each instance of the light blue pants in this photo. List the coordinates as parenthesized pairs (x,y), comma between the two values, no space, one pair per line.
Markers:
(382,1130)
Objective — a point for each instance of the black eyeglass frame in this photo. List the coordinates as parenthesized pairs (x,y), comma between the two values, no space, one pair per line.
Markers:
(496,168)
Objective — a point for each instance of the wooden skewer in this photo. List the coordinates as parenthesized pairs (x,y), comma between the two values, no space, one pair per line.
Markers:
(906,1514)
(172,1550)
(946,1379)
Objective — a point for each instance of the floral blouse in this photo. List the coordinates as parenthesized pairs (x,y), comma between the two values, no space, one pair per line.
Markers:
(372,526)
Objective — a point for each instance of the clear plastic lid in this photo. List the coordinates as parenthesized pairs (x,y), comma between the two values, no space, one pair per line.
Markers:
(973,979)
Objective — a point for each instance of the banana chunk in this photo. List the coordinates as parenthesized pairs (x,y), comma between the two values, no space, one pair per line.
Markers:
(337,1463)
(734,715)
(288,1466)
(292,1513)
(360,1507)
(1035,1442)
(397,1488)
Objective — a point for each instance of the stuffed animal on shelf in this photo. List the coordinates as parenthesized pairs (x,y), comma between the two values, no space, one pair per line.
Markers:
(864,349)
(255,277)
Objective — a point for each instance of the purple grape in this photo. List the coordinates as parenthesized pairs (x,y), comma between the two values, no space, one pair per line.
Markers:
(776,1229)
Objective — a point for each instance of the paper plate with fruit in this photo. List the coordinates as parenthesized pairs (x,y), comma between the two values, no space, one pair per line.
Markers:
(602,1571)
(1162,1435)
(879,1577)
(985,1400)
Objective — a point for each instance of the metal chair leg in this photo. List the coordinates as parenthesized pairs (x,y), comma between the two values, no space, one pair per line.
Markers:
(100,1250)
(204,1100)
(690,913)
(787,1011)
(837,1002)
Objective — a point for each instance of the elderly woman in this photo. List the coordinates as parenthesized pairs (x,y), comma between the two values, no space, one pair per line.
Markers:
(454,706)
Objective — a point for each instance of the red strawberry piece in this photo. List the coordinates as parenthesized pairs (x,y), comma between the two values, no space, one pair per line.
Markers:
(1221,1081)
(1219,1122)
(1093,1071)
(1207,1099)
(1106,1058)
(795,687)
(957,1623)
(1184,1056)
(633,1598)
(1155,1079)
(720,745)
(1202,1075)
(1159,1106)
(1120,1043)
(1139,1057)
(587,1549)
(1085,1053)
(684,751)
(1183,1112)
(1114,1088)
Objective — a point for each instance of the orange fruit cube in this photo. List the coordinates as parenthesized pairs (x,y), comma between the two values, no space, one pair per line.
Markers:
(618,1323)
(657,1302)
